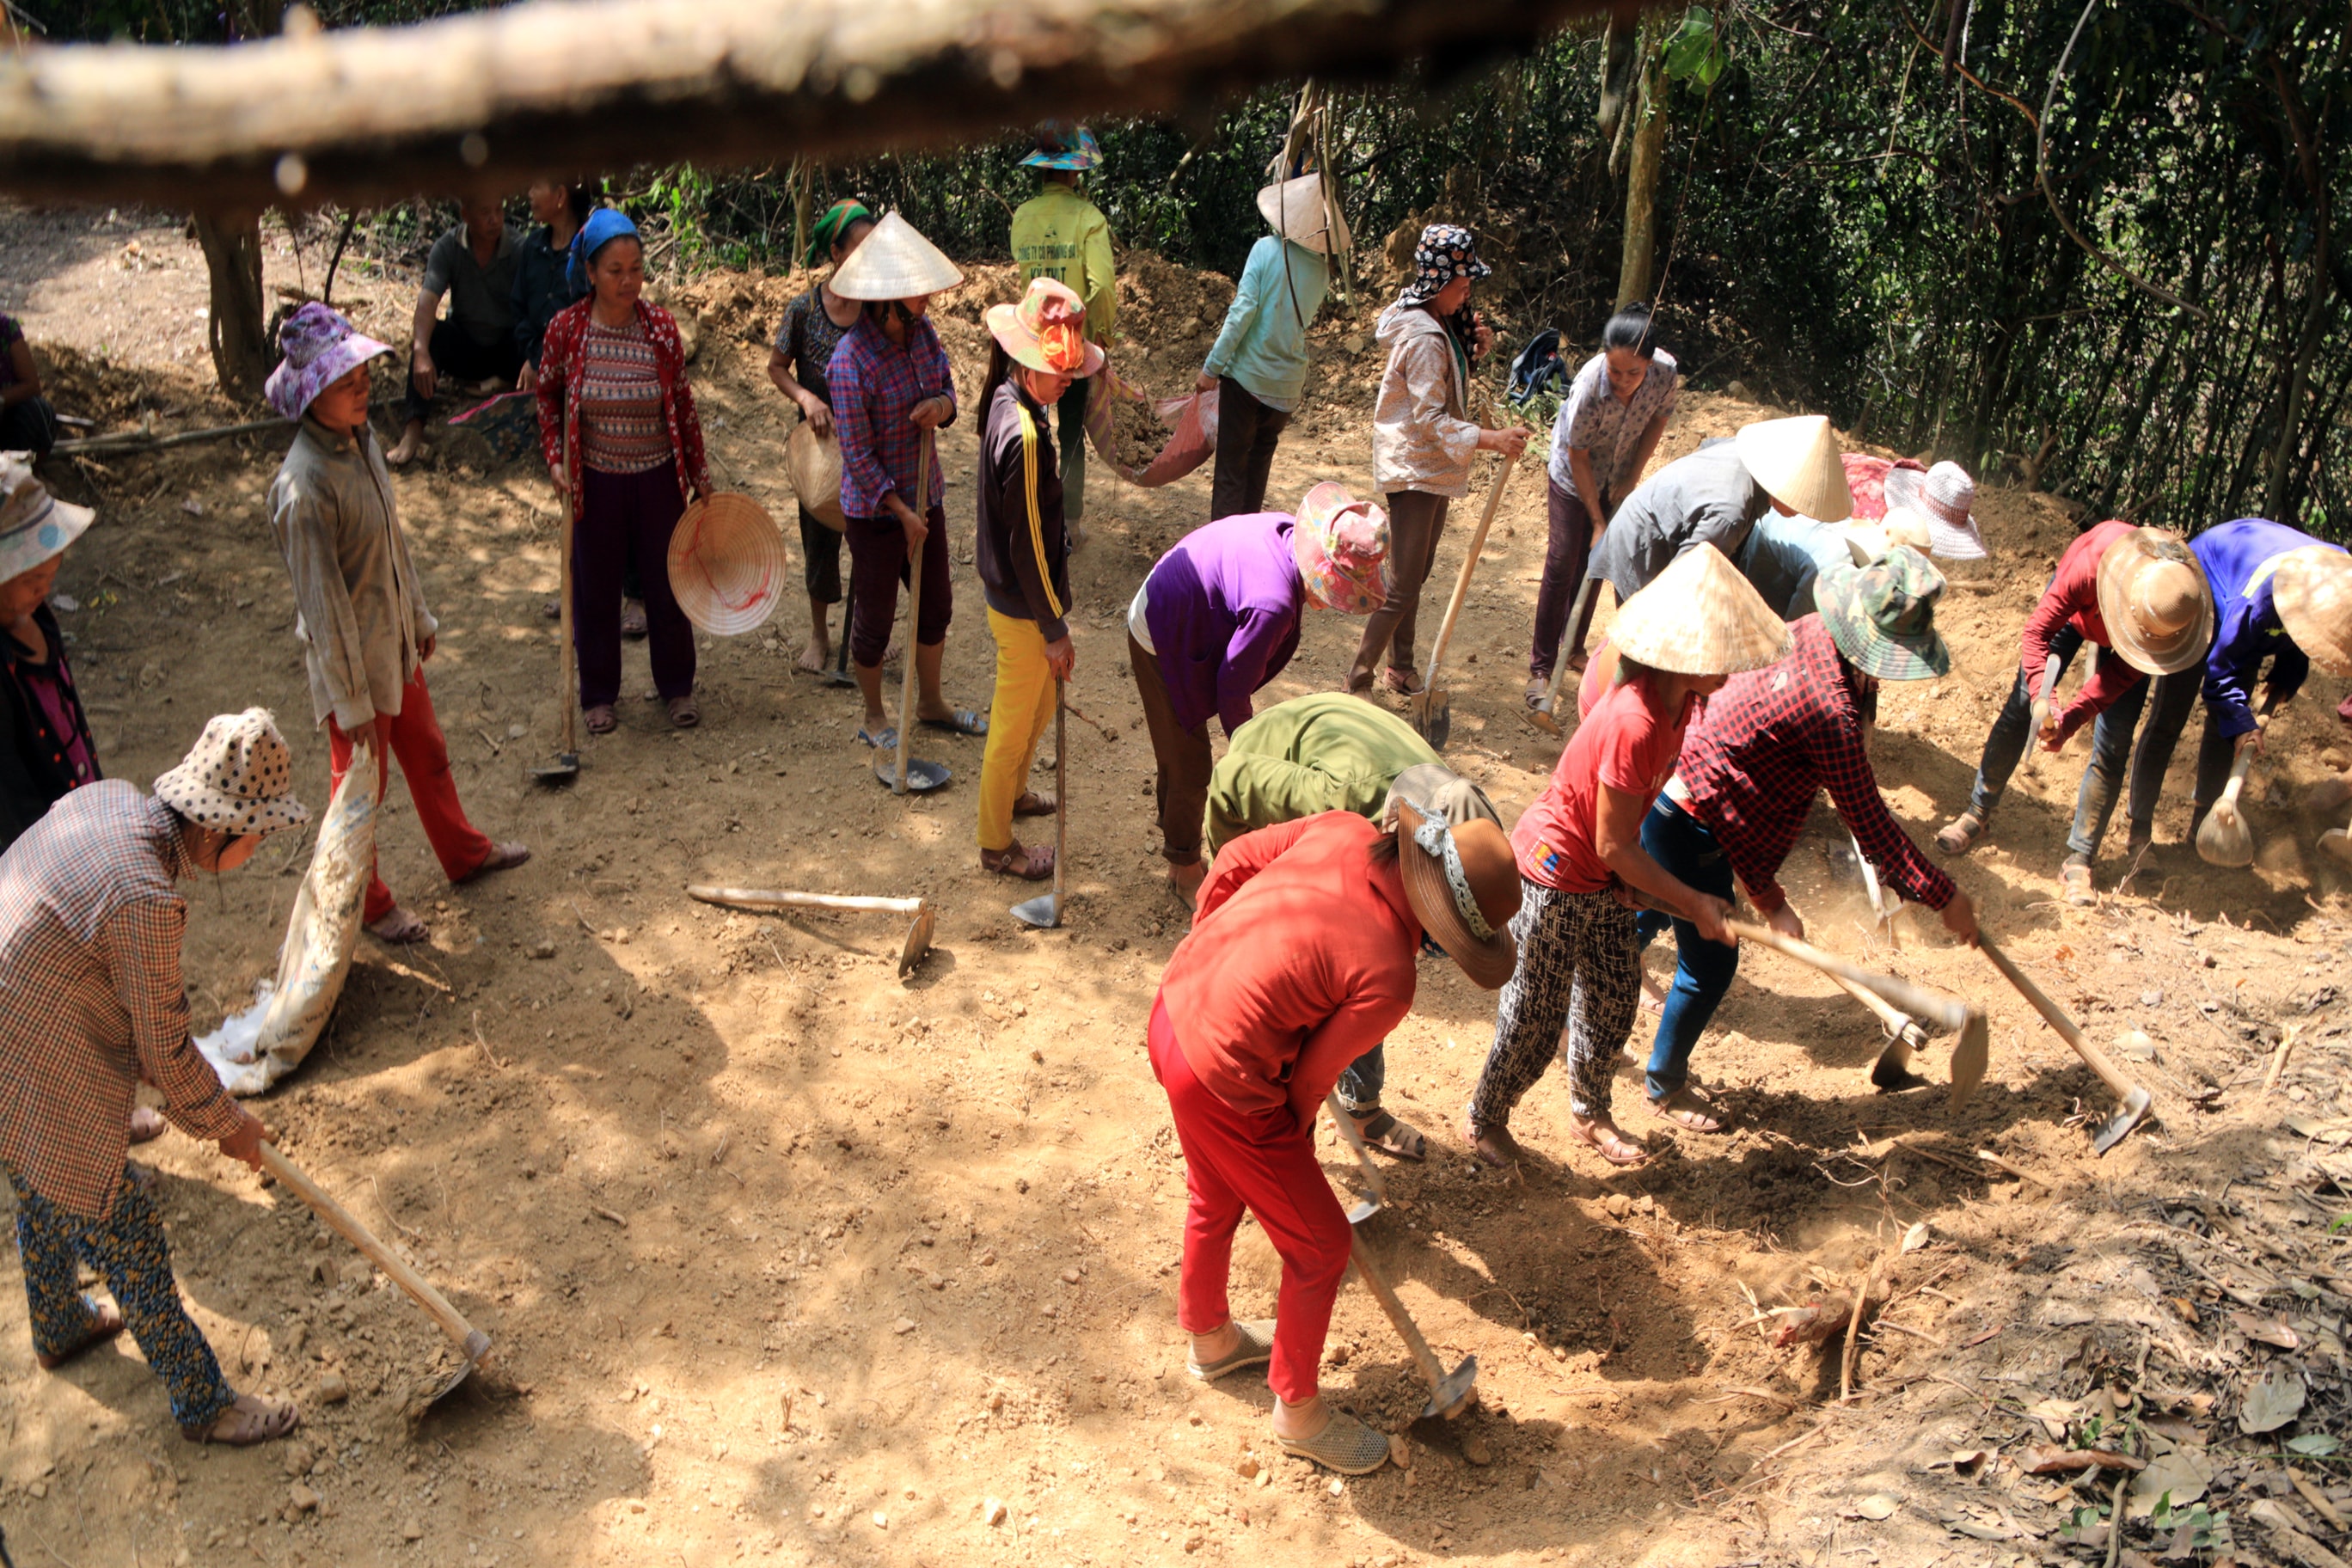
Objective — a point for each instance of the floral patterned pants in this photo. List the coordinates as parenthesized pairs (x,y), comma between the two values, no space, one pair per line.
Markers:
(1579,969)
(128,1250)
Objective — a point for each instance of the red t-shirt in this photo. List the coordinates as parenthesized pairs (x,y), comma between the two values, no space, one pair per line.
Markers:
(1627,741)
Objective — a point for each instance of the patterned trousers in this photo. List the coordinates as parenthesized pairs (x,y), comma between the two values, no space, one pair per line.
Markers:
(128,1250)
(1579,969)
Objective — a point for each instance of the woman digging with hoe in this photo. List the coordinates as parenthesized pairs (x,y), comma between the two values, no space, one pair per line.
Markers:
(1300,960)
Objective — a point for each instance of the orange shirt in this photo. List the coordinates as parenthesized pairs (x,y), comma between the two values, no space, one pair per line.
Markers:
(1300,960)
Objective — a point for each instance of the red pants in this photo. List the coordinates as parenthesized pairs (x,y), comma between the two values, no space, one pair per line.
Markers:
(1264,1162)
(414,737)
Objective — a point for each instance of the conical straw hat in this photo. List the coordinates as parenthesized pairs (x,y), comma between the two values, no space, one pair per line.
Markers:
(2313,590)
(896,262)
(1297,210)
(1796,460)
(1699,616)
(727,563)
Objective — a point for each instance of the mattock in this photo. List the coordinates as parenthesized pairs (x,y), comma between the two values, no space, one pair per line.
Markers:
(1450,1392)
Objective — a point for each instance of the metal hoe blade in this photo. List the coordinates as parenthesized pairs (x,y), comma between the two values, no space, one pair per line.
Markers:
(2126,1117)
(922,778)
(918,945)
(1893,1067)
(563,770)
(838,673)
(1432,717)
(1453,1392)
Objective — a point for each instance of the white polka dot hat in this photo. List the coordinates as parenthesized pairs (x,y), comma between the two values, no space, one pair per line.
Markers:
(239,778)
(34,524)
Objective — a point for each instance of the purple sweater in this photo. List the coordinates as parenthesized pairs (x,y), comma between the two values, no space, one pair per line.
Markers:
(1222,607)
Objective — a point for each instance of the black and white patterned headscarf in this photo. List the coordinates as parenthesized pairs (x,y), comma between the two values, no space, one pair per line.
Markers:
(1445,252)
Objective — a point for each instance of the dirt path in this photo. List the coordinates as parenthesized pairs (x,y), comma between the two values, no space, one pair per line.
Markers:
(788,1260)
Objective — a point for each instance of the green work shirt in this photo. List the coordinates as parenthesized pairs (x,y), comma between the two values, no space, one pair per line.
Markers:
(1059,234)
(1328,751)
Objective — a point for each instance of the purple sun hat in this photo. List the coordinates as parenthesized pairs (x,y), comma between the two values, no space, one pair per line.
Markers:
(319,345)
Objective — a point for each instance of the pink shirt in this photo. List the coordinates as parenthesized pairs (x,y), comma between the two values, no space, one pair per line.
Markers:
(1628,743)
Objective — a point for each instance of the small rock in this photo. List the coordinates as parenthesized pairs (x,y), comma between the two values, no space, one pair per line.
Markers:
(542,948)
(1070,1276)
(1617,1204)
(1049,1310)
(1338,1487)
(304,1499)
(333,1388)
(1265,1478)
(1247,1468)
(1477,1450)
(1399,1450)
(517,731)
(1877,1505)
(903,1326)
(1734,389)
(2151,999)
(987,1258)
(411,1531)
(991,1511)
(38,1490)
(881,1519)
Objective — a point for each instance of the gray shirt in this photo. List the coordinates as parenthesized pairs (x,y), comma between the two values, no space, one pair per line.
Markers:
(481,299)
(1706,498)
(359,613)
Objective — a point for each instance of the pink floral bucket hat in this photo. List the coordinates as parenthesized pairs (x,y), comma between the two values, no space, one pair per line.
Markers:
(320,345)
(1341,545)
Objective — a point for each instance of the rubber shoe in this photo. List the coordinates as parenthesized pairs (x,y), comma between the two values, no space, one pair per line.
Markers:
(1347,1445)
(1255,1350)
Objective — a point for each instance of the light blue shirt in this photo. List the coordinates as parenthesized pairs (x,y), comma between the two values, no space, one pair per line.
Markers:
(1263,344)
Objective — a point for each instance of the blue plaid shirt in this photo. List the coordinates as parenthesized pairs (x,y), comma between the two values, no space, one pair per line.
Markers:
(875,385)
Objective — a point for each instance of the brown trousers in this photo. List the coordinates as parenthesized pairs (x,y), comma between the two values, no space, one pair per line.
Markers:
(1184,758)
(1415,520)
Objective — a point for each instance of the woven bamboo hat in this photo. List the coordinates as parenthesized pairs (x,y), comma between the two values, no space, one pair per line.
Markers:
(813,462)
(894,262)
(1300,212)
(1463,883)
(2313,590)
(1796,460)
(1699,616)
(2156,601)
(727,563)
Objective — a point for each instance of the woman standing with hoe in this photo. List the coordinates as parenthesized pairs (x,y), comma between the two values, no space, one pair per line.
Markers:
(812,327)
(617,425)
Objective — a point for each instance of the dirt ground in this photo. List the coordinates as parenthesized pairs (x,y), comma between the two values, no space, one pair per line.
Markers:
(887,1254)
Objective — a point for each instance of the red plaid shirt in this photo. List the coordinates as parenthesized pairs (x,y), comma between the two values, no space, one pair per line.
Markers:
(876,384)
(90,998)
(1767,743)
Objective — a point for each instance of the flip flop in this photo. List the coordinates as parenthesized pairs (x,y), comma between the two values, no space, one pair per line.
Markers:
(683,713)
(1959,835)
(415,931)
(501,858)
(1347,1445)
(887,740)
(1255,1350)
(1403,682)
(1618,1149)
(1395,1139)
(105,1322)
(965,723)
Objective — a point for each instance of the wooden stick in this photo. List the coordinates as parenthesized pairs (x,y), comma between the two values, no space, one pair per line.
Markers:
(461,1333)
(765,898)
(146,441)
(2056,1017)
(1945,1012)
(1462,578)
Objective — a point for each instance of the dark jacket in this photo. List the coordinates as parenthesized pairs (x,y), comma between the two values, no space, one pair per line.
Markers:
(34,772)
(1024,551)
(541,289)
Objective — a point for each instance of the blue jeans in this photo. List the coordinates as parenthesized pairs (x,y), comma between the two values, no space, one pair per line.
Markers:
(2111,749)
(1360,1087)
(1680,844)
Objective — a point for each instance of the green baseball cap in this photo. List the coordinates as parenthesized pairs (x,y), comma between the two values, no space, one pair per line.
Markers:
(1882,615)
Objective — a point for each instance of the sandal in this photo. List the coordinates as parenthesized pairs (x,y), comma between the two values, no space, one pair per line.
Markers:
(882,739)
(105,1322)
(252,1419)
(1255,1350)
(1608,1142)
(1397,1139)
(683,713)
(1346,1445)
(501,858)
(1538,687)
(963,722)
(1686,1109)
(1029,865)
(398,928)
(1493,1146)
(601,720)
(1959,834)
(146,1124)
(1031,803)
(633,618)
(1404,682)
(2074,882)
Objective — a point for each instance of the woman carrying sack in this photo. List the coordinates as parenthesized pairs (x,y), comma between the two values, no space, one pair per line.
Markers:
(1023,553)
(616,423)
(892,390)
(1580,856)
(813,325)
(1217,617)
(1424,437)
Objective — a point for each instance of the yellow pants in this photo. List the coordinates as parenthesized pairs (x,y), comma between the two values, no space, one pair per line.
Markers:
(1016,722)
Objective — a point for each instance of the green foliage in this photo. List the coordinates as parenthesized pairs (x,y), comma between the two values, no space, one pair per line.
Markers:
(2315,1446)
(1694,51)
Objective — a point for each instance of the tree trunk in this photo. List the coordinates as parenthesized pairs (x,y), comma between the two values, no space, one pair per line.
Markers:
(804,178)
(2314,323)
(240,343)
(1634,274)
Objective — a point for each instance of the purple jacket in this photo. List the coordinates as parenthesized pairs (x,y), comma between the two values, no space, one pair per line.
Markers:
(1224,606)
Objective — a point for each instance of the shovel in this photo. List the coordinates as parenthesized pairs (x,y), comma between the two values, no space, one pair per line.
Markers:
(472,1344)
(1544,715)
(913,774)
(2223,838)
(1970,1053)
(1450,1392)
(2337,841)
(1367,1206)
(912,952)
(1044,911)
(2135,1100)
(1432,713)
(566,765)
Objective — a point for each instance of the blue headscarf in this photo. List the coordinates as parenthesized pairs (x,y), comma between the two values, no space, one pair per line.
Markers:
(603,225)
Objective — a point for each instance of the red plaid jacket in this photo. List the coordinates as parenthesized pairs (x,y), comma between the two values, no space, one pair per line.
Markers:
(559,394)
(90,998)
(1771,740)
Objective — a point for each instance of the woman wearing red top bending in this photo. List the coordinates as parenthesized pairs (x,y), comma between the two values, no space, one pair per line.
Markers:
(1580,858)
(1301,958)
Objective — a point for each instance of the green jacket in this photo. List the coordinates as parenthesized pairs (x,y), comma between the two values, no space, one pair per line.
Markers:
(1059,234)
(1328,751)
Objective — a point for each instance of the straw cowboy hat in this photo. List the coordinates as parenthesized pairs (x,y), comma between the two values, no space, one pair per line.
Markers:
(33,525)
(2156,601)
(1047,331)
(2313,590)
(1796,461)
(1298,210)
(1341,545)
(1946,497)
(1882,615)
(1699,616)
(1464,886)
(727,563)
(238,778)
(894,262)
